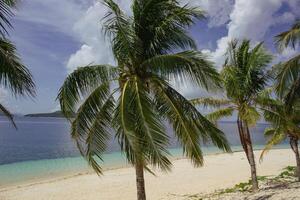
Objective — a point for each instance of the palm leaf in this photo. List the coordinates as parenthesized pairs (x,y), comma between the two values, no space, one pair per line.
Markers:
(162,25)
(149,127)
(13,74)
(291,36)
(187,65)
(277,137)
(288,81)
(210,102)
(5,14)
(80,83)
(90,129)
(8,115)
(220,113)
(189,125)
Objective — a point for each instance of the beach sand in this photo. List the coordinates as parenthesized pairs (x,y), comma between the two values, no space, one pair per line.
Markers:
(219,172)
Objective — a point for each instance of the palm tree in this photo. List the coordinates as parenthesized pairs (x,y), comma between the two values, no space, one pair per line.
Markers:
(244,76)
(284,123)
(134,97)
(288,78)
(13,74)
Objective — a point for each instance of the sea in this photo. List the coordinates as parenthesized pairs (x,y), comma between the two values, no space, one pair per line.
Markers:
(42,148)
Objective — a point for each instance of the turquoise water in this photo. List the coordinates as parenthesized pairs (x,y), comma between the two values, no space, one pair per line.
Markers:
(32,170)
(42,148)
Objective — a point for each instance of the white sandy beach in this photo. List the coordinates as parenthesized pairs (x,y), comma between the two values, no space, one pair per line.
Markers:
(220,171)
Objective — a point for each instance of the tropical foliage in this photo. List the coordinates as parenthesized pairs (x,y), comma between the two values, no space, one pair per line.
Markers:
(288,78)
(135,97)
(13,74)
(284,123)
(284,111)
(244,75)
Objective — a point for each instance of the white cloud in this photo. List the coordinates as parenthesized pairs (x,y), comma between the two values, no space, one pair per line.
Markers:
(251,20)
(95,47)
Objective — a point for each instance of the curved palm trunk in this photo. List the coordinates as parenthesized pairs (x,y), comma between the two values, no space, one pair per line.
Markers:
(140,181)
(294,146)
(246,142)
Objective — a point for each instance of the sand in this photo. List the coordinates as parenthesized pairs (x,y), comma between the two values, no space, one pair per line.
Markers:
(219,172)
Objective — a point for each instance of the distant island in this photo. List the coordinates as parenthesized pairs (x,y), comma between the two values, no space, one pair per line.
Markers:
(52,114)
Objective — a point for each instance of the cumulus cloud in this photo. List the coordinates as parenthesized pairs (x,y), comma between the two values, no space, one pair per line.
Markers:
(244,19)
(251,20)
(95,47)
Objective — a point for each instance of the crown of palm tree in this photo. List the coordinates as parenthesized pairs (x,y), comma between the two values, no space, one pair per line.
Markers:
(142,100)
(244,74)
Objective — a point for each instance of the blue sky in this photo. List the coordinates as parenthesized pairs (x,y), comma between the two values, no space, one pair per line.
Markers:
(53,37)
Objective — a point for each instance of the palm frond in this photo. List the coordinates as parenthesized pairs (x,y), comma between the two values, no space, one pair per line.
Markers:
(90,129)
(162,25)
(249,114)
(187,65)
(140,132)
(290,37)
(277,137)
(210,102)
(80,83)
(189,125)
(220,113)
(121,31)
(8,115)
(288,80)
(13,74)
(5,14)
(149,127)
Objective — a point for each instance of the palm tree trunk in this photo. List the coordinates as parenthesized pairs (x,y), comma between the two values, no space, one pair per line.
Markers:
(248,149)
(294,146)
(251,158)
(140,181)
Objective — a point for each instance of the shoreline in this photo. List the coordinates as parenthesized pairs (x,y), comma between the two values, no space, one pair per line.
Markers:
(88,171)
(65,176)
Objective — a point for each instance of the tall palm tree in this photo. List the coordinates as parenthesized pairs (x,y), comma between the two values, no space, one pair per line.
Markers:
(13,74)
(284,123)
(288,78)
(244,76)
(134,97)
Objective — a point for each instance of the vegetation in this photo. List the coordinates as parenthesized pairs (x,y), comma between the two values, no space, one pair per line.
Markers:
(135,97)
(284,111)
(285,124)
(288,77)
(244,75)
(286,176)
(13,74)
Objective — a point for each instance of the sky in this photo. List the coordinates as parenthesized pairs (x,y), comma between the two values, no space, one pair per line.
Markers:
(54,37)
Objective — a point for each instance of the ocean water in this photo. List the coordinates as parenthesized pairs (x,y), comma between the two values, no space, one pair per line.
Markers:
(42,147)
